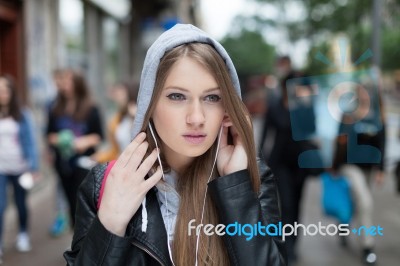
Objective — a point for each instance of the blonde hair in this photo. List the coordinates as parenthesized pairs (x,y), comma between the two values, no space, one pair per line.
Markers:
(212,250)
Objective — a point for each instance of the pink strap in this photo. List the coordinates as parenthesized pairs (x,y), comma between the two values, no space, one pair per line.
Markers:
(103,183)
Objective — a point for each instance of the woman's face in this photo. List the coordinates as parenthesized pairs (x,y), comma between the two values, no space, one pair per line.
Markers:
(119,95)
(189,112)
(67,85)
(5,93)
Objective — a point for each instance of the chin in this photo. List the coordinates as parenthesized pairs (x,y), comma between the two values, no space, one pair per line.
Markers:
(193,152)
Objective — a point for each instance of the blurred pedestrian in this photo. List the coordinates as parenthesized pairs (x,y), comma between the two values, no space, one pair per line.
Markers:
(359,156)
(283,158)
(190,120)
(60,223)
(18,155)
(124,94)
(73,131)
(283,67)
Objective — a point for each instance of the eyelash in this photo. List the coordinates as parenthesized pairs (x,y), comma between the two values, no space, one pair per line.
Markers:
(216,97)
(213,98)
(173,97)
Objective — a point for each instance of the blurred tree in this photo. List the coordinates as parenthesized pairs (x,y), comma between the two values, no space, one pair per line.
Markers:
(315,66)
(324,18)
(250,53)
(391,49)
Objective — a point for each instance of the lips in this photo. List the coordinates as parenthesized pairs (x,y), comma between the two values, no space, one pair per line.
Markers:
(195,138)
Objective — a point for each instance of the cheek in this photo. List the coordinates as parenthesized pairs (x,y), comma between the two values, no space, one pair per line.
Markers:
(160,114)
(165,119)
(215,118)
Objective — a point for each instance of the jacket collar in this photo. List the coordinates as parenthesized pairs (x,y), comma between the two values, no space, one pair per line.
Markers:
(155,238)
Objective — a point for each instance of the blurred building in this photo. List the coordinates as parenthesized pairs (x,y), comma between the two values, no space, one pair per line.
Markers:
(107,40)
(11,40)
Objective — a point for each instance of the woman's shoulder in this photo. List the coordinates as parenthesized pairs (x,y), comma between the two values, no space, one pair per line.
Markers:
(263,169)
(94,179)
(26,115)
(98,173)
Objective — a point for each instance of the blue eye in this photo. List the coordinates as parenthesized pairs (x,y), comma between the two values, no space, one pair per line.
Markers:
(176,97)
(213,98)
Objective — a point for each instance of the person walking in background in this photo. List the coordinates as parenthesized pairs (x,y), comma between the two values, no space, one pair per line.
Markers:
(74,130)
(192,129)
(124,94)
(359,156)
(60,223)
(284,154)
(18,155)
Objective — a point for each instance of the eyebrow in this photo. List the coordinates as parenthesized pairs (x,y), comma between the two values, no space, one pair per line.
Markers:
(186,90)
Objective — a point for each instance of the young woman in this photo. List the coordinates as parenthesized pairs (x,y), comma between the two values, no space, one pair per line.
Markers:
(18,155)
(189,106)
(285,151)
(74,130)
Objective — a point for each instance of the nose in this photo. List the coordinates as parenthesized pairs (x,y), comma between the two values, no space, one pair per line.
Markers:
(195,115)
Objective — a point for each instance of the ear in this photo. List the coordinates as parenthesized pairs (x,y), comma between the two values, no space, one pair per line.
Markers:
(226,121)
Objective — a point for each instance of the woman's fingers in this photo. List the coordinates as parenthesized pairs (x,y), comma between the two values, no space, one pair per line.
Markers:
(146,165)
(136,157)
(153,179)
(224,137)
(235,136)
(126,155)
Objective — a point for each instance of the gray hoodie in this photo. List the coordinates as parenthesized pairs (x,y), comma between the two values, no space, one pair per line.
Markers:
(177,35)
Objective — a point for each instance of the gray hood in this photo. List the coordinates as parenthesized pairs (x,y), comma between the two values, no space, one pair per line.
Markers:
(177,35)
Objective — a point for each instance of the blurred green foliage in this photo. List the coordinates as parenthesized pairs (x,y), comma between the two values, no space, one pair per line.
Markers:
(323,19)
(250,53)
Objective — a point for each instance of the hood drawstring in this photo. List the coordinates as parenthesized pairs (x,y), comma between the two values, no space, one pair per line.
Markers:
(166,202)
(144,209)
(144,216)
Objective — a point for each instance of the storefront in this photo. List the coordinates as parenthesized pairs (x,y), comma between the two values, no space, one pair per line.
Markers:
(11,42)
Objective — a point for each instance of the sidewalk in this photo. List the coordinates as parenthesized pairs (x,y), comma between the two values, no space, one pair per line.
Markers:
(326,250)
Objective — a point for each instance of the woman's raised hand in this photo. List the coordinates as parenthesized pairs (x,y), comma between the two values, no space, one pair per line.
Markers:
(231,158)
(126,185)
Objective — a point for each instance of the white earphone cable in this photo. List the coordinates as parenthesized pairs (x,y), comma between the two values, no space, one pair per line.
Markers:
(205,196)
(165,195)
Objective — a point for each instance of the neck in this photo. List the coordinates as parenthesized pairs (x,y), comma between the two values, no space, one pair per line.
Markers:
(70,106)
(178,163)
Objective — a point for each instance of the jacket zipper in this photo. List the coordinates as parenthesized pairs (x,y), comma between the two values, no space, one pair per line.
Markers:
(147,251)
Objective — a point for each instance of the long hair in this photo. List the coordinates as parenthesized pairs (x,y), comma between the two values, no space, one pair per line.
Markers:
(191,188)
(14,107)
(132,89)
(81,95)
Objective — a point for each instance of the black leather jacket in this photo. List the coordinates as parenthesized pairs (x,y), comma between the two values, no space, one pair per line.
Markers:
(236,202)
